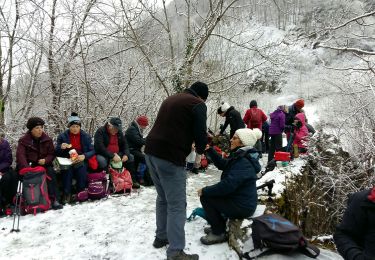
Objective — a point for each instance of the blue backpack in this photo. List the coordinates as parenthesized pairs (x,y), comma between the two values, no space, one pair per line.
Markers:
(273,233)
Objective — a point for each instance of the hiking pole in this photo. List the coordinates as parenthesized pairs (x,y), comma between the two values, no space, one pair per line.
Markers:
(17,209)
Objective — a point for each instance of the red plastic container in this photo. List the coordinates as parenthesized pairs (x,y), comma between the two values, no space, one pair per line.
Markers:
(282,156)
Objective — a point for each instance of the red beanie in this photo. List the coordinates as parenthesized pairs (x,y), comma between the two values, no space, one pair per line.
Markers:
(142,120)
(300,103)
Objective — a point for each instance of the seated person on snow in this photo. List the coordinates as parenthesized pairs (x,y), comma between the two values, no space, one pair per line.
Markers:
(232,118)
(355,235)
(235,196)
(110,144)
(136,141)
(77,139)
(8,180)
(36,148)
(300,134)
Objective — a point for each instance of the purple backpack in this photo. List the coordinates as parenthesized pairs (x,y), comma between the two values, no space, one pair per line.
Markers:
(97,185)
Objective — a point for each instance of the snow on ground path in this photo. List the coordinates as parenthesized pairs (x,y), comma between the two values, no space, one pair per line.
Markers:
(116,228)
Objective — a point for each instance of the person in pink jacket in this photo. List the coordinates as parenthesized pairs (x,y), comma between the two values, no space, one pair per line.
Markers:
(301,133)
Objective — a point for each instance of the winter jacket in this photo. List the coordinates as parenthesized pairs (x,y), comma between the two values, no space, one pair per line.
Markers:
(238,179)
(254,118)
(30,150)
(301,134)
(289,117)
(134,137)
(234,120)
(355,235)
(86,144)
(101,141)
(181,121)
(277,122)
(5,156)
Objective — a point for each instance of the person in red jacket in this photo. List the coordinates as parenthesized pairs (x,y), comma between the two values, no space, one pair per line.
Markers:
(36,148)
(254,118)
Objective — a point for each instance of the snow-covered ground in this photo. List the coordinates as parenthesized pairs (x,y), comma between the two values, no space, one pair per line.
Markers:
(119,227)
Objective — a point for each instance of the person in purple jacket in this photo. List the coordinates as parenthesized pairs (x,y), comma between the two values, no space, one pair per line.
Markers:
(8,182)
(276,130)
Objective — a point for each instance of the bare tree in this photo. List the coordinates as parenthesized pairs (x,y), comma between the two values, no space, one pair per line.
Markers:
(10,21)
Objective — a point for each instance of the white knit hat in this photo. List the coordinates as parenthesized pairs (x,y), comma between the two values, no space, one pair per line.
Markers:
(224,106)
(248,136)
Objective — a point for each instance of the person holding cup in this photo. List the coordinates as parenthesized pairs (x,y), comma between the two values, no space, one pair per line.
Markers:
(76,144)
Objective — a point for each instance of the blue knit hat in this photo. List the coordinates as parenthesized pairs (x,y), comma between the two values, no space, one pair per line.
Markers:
(74,119)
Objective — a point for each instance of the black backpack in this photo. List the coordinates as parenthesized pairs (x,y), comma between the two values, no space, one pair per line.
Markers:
(273,233)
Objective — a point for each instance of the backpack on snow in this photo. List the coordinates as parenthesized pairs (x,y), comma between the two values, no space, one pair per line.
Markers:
(275,233)
(121,180)
(97,185)
(35,191)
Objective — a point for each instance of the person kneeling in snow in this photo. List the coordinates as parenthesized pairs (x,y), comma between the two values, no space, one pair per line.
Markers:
(235,196)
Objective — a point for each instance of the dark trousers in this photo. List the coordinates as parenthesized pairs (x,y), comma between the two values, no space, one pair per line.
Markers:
(8,188)
(53,192)
(139,157)
(265,142)
(79,173)
(217,207)
(276,143)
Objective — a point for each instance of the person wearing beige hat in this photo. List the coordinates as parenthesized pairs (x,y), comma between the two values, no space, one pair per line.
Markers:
(235,196)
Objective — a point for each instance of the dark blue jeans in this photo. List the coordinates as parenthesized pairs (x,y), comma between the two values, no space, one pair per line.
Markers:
(79,173)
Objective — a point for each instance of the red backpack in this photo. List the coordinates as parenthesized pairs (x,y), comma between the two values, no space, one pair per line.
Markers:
(34,191)
(121,180)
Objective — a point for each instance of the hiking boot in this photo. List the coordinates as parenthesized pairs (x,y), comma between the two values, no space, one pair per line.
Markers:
(181,255)
(159,243)
(56,205)
(207,230)
(136,185)
(211,239)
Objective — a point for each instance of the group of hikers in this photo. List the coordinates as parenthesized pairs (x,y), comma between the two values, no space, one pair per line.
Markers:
(180,123)
(36,148)
(290,120)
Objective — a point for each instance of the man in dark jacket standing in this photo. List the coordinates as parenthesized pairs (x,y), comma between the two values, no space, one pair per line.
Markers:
(110,144)
(355,235)
(180,122)
(232,118)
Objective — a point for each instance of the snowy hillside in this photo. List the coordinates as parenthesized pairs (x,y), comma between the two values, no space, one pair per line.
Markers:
(118,228)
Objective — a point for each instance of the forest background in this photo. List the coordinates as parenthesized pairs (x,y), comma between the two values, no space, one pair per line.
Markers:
(123,58)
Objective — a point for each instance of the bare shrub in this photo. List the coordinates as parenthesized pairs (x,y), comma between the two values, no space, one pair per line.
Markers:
(316,198)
